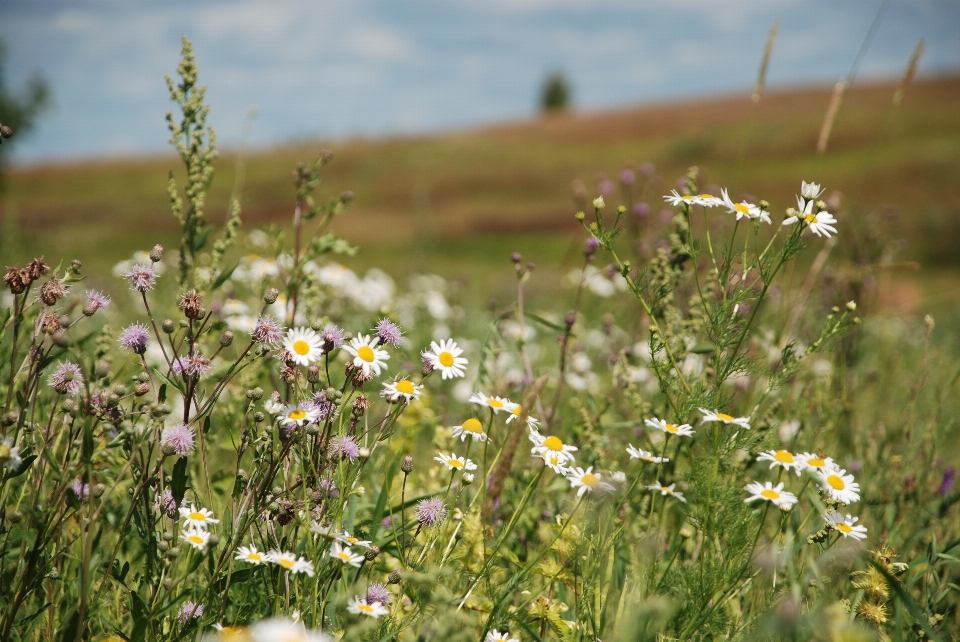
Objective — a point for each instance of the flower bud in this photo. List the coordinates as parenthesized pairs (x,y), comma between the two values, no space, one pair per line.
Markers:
(67,405)
(255,394)
(141,389)
(258,417)
(516,257)
(10,418)
(226,338)
(851,305)
(467,479)
(313,374)
(270,297)
(579,216)
(395,577)
(168,326)
(406,464)
(156,254)
(371,553)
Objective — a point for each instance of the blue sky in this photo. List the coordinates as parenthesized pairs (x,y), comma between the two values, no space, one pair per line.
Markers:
(337,68)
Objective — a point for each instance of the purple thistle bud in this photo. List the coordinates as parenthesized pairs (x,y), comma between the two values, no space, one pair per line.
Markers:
(330,488)
(606,187)
(345,447)
(949,476)
(641,209)
(95,301)
(590,246)
(389,332)
(165,503)
(80,489)
(67,378)
(189,610)
(267,330)
(332,337)
(141,277)
(386,521)
(431,512)
(324,407)
(647,169)
(177,440)
(627,177)
(135,338)
(377,592)
(195,365)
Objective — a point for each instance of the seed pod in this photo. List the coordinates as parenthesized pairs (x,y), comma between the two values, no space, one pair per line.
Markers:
(156,254)
(371,553)
(395,577)
(226,339)
(168,326)
(270,296)
(406,464)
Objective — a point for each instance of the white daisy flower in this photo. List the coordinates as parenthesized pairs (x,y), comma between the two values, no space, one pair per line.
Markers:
(274,406)
(470,428)
(643,455)
(455,462)
(742,209)
(290,562)
(770,493)
(366,355)
(657,487)
(196,537)
(304,345)
(297,415)
(683,430)
(839,485)
(446,358)
(250,554)
(552,450)
(402,389)
(350,540)
(820,223)
(814,463)
(782,458)
(275,629)
(845,525)
(515,414)
(810,191)
(194,517)
(359,606)
(712,415)
(494,403)
(497,636)
(706,200)
(586,481)
(324,530)
(345,555)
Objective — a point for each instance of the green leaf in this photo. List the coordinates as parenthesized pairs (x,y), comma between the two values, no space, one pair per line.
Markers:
(545,323)
(703,348)
(384,493)
(200,240)
(162,394)
(179,484)
(22,468)
(222,277)
(170,383)
(138,611)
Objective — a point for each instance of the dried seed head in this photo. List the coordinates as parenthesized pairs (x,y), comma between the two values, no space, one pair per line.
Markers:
(16,279)
(313,374)
(191,304)
(50,325)
(51,291)
(37,268)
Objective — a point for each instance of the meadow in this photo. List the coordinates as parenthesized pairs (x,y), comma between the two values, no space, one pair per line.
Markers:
(437,388)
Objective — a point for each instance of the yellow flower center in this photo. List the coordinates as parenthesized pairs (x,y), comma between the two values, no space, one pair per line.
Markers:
(844,527)
(707,197)
(406,387)
(590,480)
(196,539)
(553,460)
(301,347)
(445,359)
(670,428)
(297,414)
(352,540)
(784,457)
(454,463)
(472,425)
(743,209)
(724,417)
(366,353)
(687,197)
(255,557)
(366,608)
(553,443)
(810,218)
(770,494)
(836,482)
(345,556)
(495,403)
(517,411)
(816,462)
(198,516)
(285,562)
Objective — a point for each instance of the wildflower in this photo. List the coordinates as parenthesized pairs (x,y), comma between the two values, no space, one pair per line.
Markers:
(345,555)
(845,525)
(332,337)
(165,503)
(267,330)
(189,610)
(946,484)
(839,486)
(297,415)
(814,463)
(80,489)
(552,450)
(135,338)
(683,430)
(290,562)
(810,191)
(515,414)
(497,636)
(95,301)
(598,203)
(194,517)
(324,530)
(141,277)
(470,428)
(377,592)
(712,415)
(250,554)
(274,406)
(345,447)
(281,630)
(706,200)
(304,345)
(455,462)
(191,304)
(350,540)
(643,455)
(177,440)
(388,332)
(820,223)
(402,389)
(431,512)
(667,490)
(743,208)
(446,358)
(196,537)
(771,493)
(10,454)
(67,379)
(366,356)
(586,481)
(496,404)
(781,458)
(360,606)
(195,365)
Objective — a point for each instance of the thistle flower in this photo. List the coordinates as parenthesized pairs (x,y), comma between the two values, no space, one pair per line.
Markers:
(388,332)
(67,379)
(95,301)
(360,606)
(51,291)
(366,356)
(177,440)
(345,447)
(332,337)
(135,338)
(322,407)
(165,503)
(141,277)
(445,357)
(80,489)
(189,610)
(377,592)
(431,512)
(191,304)
(401,389)
(194,365)
(267,330)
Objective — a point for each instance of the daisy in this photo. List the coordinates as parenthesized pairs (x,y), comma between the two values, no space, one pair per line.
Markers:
(304,345)
(345,555)
(742,209)
(297,415)
(707,200)
(845,525)
(401,389)
(455,462)
(810,191)
(250,554)
(497,636)
(552,449)
(771,493)
(194,517)
(277,628)
(683,430)
(290,562)
(839,485)
(360,606)
(366,355)
(814,463)
(196,537)
(712,415)
(470,428)
(782,458)
(643,455)
(496,404)
(324,531)
(667,490)
(515,414)
(350,540)
(586,481)
(820,223)
(446,358)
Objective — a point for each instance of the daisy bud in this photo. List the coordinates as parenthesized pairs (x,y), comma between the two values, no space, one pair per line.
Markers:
(364,453)
(598,203)
(851,305)
(371,553)
(406,464)
(467,479)
(270,296)
(226,339)
(168,326)
(395,577)
(580,216)
(156,254)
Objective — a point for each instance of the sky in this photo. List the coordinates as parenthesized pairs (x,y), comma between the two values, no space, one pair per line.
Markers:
(284,70)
